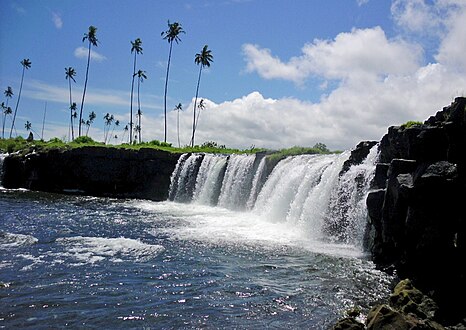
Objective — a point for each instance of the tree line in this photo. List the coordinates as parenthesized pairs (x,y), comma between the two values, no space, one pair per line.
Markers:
(173,35)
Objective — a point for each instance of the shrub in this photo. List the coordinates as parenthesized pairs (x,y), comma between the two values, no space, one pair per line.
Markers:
(410,124)
(84,140)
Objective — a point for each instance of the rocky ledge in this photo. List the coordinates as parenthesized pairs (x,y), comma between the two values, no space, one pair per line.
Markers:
(416,212)
(95,171)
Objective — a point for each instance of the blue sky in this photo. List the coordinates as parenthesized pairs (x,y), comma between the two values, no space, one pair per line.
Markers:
(284,73)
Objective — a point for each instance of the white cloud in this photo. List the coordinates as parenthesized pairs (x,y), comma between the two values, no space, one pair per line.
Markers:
(358,54)
(57,20)
(362,2)
(82,52)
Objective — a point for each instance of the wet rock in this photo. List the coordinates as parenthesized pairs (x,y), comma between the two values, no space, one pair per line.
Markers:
(358,155)
(348,323)
(95,171)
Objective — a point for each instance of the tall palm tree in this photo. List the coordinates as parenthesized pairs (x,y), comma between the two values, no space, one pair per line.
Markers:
(26,65)
(172,34)
(8,94)
(141,76)
(200,106)
(88,123)
(136,47)
(69,75)
(178,108)
(204,59)
(90,36)
(108,122)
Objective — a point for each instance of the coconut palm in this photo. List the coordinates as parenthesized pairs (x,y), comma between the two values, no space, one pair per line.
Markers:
(204,59)
(136,47)
(90,36)
(5,108)
(200,106)
(141,76)
(178,108)
(172,34)
(88,122)
(69,75)
(108,122)
(125,131)
(26,65)
(6,111)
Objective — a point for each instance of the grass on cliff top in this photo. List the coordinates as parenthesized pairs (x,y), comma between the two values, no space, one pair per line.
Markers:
(21,145)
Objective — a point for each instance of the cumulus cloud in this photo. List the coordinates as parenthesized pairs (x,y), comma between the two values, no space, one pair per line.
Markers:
(360,53)
(81,52)
(57,20)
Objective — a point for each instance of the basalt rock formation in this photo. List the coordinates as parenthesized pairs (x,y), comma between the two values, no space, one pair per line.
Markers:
(95,171)
(417,220)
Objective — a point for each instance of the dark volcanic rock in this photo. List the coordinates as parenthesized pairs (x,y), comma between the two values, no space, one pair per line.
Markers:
(96,171)
(358,155)
(417,219)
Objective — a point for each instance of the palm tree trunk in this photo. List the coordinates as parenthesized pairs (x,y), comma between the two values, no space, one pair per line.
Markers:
(178,127)
(71,112)
(131,105)
(165,94)
(195,105)
(139,112)
(17,102)
(85,86)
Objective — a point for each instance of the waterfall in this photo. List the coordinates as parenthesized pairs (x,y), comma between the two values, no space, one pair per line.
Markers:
(348,201)
(2,157)
(184,177)
(209,178)
(237,182)
(257,182)
(308,192)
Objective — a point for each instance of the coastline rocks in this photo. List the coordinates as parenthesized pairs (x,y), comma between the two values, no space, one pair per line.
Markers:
(95,171)
(407,309)
(416,216)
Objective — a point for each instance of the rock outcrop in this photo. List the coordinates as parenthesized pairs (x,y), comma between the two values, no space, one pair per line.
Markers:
(95,171)
(417,220)
(407,309)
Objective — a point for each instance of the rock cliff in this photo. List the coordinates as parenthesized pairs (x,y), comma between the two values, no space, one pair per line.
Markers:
(95,171)
(417,220)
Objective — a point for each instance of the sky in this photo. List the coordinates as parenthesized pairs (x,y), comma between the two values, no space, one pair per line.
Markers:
(284,73)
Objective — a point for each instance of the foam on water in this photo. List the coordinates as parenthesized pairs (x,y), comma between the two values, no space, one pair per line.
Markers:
(10,240)
(221,226)
(95,249)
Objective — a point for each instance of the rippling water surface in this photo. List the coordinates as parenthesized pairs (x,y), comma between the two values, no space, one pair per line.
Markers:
(105,263)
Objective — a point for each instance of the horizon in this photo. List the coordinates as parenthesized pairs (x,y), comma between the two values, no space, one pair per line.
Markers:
(283,74)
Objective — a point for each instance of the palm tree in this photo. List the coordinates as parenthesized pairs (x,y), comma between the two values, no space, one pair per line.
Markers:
(200,106)
(69,75)
(137,49)
(26,65)
(178,108)
(172,34)
(141,76)
(6,111)
(108,121)
(204,58)
(90,36)
(8,94)
(88,123)
(125,130)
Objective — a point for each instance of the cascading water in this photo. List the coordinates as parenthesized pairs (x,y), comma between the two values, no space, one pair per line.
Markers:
(237,182)
(2,158)
(348,202)
(306,192)
(208,181)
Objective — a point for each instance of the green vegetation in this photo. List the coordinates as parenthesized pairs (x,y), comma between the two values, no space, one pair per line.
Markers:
(410,124)
(319,148)
(22,145)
